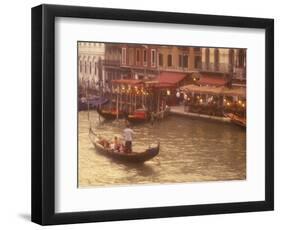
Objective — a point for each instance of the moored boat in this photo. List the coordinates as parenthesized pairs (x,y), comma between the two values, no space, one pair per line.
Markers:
(91,103)
(240,121)
(110,114)
(139,116)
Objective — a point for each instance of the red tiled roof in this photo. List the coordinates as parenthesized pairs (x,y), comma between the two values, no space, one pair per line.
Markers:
(212,80)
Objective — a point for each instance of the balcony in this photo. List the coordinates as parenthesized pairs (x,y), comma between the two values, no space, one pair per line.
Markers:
(239,73)
(221,67)
(114,63)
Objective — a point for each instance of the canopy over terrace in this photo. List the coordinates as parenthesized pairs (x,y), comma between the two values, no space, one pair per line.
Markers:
(128,95)
(131,82)
(212,79)
(222,90)
(167,80)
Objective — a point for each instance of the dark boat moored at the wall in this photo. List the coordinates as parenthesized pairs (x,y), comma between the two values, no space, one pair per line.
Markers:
(139,116)
(91,103)
(136,119)
(240,121)
(110,114)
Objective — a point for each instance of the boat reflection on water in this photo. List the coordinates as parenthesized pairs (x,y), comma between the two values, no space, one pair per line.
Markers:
(192,150)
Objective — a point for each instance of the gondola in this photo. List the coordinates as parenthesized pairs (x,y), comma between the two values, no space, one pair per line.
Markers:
(139,116)
(136,119)
(240,121)
(109,114)
(91,103)
(133,157)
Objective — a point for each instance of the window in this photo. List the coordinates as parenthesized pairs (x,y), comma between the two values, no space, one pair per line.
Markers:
(231,57)
(197,63)
(95,68)
(216,59)
(131,56)
(153,57)
(170,61)
(80,66)
(241,58)
(138,56)
(207,58)
(185,61)
(90,67)
(124,56)
(160,59)
(144,57)
(180,60)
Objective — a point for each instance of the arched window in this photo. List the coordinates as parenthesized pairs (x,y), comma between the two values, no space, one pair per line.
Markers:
(153,57)
(80,66)
(170,60)
(216,59)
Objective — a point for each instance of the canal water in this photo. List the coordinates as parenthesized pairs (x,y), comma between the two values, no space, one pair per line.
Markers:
(191,150)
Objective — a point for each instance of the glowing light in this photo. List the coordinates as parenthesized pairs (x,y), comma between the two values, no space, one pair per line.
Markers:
(228,104)
(168,92)
(243,105)
(240,102)
(201,100)
(194,79)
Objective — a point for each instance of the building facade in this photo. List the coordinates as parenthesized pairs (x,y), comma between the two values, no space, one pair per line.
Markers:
(179,59)
(111,64)
(139,61)
(147,61)
(227,63)
(90,64)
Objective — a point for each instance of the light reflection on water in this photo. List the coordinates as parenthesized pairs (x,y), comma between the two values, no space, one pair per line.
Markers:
(191,150)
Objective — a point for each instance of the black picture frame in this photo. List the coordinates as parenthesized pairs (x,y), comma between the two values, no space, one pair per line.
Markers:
(43,114)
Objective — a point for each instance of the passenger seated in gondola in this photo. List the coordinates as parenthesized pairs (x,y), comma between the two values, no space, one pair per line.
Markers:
(115,145)
(103,142)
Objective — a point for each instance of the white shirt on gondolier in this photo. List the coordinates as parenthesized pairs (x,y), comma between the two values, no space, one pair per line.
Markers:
(128,134)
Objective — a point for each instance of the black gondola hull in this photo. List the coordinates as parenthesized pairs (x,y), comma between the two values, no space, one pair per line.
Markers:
(107,115)
(133,157)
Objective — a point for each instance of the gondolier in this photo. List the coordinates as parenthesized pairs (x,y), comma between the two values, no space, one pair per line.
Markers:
(128,137)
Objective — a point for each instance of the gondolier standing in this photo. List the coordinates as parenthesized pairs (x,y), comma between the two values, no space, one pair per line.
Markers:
(128,137)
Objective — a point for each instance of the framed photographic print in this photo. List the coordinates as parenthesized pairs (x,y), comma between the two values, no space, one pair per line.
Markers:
(142,114)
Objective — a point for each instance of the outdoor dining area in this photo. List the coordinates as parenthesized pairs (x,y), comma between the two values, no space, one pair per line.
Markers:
(214,101)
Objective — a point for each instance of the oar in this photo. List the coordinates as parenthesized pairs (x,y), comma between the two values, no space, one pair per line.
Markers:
(92,132)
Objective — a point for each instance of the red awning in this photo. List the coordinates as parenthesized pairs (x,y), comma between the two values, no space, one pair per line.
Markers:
(127,81)
(212,80)
(170,78)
